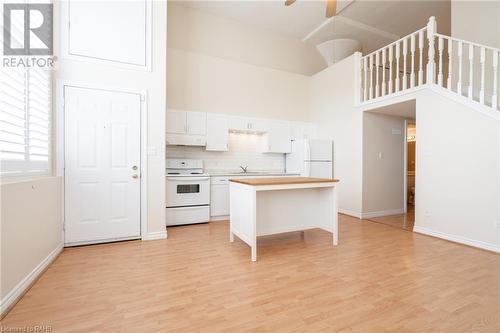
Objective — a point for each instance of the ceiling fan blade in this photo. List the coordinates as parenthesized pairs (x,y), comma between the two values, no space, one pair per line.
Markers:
(331,8)
(289,2)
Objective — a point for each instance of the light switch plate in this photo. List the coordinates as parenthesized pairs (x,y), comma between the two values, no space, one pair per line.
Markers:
(396,131)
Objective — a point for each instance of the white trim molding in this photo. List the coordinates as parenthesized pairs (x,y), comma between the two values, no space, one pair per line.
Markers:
(65,53)
(25,284)
(350,213)
(457,239)
(155,235)
(380,213)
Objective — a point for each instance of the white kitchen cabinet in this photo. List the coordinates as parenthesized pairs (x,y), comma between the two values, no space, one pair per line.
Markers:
(278,137)
(246,124)
(196,123)
(186,122)
(219,199)
(176,122)
(217,132)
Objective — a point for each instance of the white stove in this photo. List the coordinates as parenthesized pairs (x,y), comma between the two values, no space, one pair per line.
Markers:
(187,192)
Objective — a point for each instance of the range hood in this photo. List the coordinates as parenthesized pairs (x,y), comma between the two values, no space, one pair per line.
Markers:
(186,140)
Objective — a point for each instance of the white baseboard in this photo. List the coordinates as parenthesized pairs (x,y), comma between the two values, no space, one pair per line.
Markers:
(457,239)
(15,294)
(350,213)
(370,215)
(219,218)
(155,235)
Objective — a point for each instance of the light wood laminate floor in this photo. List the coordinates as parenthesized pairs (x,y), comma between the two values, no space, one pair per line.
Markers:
(378,279)
(403,221)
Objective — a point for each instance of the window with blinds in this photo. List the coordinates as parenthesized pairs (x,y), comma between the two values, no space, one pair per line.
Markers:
(25,120)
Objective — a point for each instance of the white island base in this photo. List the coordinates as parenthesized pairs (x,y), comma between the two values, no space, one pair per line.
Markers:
(260,207)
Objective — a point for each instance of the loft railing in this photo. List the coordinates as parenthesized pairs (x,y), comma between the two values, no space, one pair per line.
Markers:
(426,57)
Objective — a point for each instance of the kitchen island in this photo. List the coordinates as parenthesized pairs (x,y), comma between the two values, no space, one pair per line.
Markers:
(260,207)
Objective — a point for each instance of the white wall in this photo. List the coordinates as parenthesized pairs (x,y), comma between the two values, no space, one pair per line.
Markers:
(244,150)
(30,232)
(457,172)
(383,181)
(213,35)
(476,21)
(153,83)
(204,83)
(332,108)
(220,65)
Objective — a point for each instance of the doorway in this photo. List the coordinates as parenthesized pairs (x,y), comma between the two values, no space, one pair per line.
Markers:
(102,165)
(411,142)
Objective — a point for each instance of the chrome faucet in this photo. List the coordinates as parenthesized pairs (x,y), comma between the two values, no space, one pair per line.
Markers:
(245,168)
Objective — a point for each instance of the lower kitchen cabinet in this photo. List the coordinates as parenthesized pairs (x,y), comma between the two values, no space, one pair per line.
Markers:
(219,197)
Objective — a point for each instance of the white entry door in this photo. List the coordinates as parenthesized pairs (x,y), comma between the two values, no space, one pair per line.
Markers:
(102,165)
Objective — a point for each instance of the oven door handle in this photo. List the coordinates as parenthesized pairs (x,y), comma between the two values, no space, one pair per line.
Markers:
(179,179)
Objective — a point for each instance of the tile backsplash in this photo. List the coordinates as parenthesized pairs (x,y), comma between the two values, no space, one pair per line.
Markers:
(244,149)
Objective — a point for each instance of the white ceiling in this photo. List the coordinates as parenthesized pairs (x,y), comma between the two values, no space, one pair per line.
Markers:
(373,23)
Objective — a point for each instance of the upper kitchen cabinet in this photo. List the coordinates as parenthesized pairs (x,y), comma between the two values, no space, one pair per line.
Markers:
(186,128)
(217,132)
(176,122)
(196,123)
(186,122)
(245,124)
(278,137)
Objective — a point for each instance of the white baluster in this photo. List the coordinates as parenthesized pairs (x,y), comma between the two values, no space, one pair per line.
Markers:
(377,66)
(412,72)
(383,72)
(397,66)
(483,58)
(450,59)
(390,68)
(440,48)
(421,59)
(431,63)
(471,67)
(365,83)
(371,76)
(405,50)
(494,99)
(459,83)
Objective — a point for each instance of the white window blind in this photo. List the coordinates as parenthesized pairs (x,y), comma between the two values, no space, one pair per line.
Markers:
(25,120)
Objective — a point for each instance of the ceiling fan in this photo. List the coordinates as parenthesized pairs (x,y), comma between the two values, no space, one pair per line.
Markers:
(331,6)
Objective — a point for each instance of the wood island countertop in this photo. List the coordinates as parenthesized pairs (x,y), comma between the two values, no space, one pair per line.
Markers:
(282,181)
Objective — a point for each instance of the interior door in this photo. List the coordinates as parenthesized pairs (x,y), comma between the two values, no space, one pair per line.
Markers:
(102,165)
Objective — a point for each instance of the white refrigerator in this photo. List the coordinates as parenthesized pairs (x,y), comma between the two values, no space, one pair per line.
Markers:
(311,158)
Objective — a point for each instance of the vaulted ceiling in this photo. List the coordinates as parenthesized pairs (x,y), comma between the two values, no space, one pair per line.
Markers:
(373,23)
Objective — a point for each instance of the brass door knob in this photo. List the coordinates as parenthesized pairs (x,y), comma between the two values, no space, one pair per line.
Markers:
(135,176)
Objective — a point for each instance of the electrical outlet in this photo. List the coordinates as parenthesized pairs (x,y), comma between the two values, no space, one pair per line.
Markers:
(497,224)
